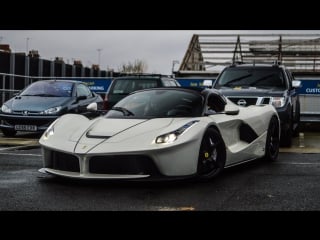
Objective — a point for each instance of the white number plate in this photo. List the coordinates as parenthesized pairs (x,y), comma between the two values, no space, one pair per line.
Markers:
(31,128)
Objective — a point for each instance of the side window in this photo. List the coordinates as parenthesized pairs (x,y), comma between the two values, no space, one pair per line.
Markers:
(174,83)
(178,84)
(143,84)
(169,83)
(215,103)
(83,90)
(166,83)
(122,86)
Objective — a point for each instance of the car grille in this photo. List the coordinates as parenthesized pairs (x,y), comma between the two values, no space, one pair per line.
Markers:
(38,122)
(123,164)
(32,113)
(266,100)
(63,161)
(115,164)
(248,101)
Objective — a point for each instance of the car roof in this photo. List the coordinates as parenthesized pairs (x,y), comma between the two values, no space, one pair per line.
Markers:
(60,80)
(256,65)
(196,90)
(192,89)
(156,76)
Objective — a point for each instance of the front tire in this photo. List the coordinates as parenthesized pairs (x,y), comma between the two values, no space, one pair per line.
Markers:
(9,132)
(212,155)
(273,141)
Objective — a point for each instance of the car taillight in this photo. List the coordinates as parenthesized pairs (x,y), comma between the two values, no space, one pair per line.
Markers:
(105,102)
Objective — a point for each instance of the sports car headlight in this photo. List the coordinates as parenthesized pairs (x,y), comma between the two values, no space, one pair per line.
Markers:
(172,136)
(278,102)
(5,109)
(50,130)
(52,110)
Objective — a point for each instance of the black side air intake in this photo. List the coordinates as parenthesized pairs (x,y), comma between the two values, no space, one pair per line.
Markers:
(247,134)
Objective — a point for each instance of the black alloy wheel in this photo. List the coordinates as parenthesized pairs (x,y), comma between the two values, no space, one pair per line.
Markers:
(212,155)
(273,141)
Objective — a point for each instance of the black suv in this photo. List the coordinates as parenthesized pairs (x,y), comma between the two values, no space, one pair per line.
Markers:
(124,85)
(254,84)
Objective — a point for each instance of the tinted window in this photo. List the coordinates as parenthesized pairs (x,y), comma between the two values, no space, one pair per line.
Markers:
(169,83)
(251,77)
(126,86)
(82,90)
(160,103)
(166,83)
(49,88)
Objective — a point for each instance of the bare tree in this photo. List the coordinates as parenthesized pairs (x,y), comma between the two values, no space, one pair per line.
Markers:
(138,66)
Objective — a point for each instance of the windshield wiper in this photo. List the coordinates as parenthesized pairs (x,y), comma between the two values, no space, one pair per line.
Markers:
(125,111)
(41,95)
(236,80)
(120,93)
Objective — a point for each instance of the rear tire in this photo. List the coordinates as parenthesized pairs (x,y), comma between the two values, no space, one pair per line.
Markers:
(273,141)
(297,121)
(212,155)
(286,137)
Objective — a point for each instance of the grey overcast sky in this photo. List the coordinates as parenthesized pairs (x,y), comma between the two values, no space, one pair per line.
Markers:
(158,48)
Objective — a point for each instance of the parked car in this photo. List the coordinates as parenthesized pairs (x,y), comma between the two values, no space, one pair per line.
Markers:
(123,86)
(39,104)
(161,133)
(255,84)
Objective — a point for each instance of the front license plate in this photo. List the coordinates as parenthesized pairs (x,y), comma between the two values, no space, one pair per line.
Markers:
(31,128)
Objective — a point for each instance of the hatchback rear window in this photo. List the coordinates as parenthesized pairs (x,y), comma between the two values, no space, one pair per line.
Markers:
(127,86)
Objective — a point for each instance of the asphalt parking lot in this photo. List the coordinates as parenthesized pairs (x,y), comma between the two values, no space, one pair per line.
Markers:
(289,184)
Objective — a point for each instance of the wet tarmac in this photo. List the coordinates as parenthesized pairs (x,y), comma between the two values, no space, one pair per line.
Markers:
(307,140)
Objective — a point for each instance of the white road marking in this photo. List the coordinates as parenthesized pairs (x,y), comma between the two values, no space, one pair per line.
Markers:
(21,154)
(297,163)
(299,150)
(17,147)
(6,182)
(175,209)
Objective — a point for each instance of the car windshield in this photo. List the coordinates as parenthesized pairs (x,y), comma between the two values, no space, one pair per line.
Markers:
(126,86)
(158,103)
(49,89)
(249,77)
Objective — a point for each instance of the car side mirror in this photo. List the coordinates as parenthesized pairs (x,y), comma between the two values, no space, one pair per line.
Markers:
(92,106)
(296,84)
(81,98)
(231,109)
(207,83)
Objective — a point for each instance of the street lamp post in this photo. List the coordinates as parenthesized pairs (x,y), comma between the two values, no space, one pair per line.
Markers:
(27,45)
(174,62)
(99,54)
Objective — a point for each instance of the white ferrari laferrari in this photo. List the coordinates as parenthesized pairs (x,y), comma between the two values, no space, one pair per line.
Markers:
(163,133)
